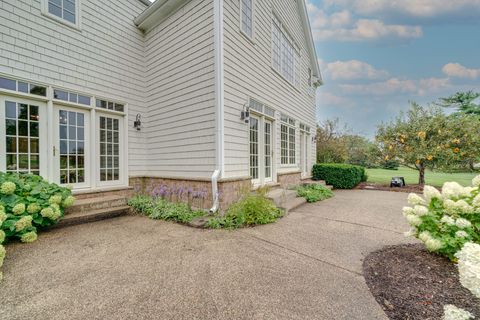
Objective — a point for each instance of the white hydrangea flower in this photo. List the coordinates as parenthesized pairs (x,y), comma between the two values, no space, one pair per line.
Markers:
(452,190)
(449,206)
(8,187)
(463,207)
(407,210)
(467,191)
(430,193)
(476,181)
(410,233)
(448,220)
(450,312)
(425,236)
(420,210)
(469,267)
(414,220)
(463,223)
(415,199)
(461,234)
(433,244)
(476,201)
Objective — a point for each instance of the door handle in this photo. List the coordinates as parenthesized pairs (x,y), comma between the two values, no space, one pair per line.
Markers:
(54,151)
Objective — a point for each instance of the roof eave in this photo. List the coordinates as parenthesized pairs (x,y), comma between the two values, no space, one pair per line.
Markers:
(157,12)
(310,42)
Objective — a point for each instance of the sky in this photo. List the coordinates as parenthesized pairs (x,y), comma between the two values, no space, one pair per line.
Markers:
(377,55)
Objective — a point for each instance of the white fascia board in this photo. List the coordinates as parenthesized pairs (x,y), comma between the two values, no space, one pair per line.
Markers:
(310,43)
(157,12)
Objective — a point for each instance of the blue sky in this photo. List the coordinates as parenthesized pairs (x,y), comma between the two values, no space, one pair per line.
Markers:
(377,55)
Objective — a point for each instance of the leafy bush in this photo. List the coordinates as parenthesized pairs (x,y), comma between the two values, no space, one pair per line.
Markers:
(314,192)
(253,209)
(446,221)
(389,165)
(158,208)
(28,203)
(340,176)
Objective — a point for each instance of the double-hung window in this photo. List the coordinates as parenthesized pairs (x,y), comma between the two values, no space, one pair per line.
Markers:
(246,17)
(287,141)
(63,10)
(284,52)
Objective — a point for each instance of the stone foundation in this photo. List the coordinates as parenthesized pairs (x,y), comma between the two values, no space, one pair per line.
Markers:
(287,180)
(126,192)
(197,193)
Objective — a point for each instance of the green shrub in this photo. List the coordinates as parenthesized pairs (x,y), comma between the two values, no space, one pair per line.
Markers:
(253,209)
(445,221)
(314,192)
(158,208)
(27,204)
(340,176)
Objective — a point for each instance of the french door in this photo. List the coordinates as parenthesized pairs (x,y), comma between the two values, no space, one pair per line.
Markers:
(110,150)
(304,153)
(71,150)
(261,150)
(23,136)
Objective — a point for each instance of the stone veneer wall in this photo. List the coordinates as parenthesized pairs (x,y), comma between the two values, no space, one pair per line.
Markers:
(287,180)
(197,193)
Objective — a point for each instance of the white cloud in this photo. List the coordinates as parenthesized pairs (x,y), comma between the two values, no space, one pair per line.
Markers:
(342,26)
(412,8)
(456,70)
(353,69)
(398,86)
(330,99)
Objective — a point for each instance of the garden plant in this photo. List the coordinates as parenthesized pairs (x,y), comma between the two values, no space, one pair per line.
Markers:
(28,203)
(314,192)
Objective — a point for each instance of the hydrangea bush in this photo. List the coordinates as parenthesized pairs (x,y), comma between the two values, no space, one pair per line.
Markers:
(445,220)
(469,267)
(451,312)
(28,203)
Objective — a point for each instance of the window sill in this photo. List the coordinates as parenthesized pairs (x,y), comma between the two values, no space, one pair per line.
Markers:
(247,37)
(59,20)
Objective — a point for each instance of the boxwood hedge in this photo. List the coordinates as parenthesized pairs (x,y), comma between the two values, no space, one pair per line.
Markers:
(340,176)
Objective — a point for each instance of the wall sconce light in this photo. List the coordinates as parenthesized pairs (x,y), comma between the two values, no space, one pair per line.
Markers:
(245,115)
(314,138)
(137,124)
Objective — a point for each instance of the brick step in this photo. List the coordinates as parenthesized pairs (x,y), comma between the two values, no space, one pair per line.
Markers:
(98,203)
(95,215)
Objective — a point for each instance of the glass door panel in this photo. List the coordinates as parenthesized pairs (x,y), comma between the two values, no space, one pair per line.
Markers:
(268,150)
(254,150)
(22,135)
(110,150)
(71,151)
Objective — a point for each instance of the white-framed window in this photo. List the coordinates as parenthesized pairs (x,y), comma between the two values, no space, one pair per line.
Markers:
(66,11)
(246,17)
(285,56)
(287,141)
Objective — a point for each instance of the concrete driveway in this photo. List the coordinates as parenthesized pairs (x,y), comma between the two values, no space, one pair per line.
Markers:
(306,266)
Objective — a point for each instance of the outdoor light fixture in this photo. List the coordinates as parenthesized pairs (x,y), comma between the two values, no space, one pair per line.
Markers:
(245,115)
(314,138)
(137,124)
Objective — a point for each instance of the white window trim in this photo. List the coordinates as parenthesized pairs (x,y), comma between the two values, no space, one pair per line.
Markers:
(78,17)
(241,21)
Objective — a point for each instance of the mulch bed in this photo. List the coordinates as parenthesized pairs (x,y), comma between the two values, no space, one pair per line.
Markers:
(375,186)
(411,283)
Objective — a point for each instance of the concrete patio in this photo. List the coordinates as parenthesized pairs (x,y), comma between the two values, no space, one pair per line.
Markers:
(306,266)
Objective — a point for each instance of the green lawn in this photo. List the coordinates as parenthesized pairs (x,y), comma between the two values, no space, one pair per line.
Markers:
(411,176)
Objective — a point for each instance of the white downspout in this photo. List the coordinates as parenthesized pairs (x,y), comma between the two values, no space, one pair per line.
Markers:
(219,102)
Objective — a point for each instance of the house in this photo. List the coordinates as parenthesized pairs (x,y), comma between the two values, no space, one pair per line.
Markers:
(208,96)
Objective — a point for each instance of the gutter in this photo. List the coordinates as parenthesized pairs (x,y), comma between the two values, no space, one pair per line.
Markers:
(219,102)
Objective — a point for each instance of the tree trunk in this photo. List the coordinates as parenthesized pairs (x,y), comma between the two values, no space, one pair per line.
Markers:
(421,175)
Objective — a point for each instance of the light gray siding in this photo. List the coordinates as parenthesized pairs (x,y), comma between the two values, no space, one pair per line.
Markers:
(248,73)
(105,57)
(180,93)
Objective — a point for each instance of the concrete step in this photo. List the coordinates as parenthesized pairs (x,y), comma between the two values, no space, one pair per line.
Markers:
(98,203)
(95,215)
(294,204)
(282,196)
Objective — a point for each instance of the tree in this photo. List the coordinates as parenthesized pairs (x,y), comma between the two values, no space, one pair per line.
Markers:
(425,137)
(330,142)
(463,102)
(360,150)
